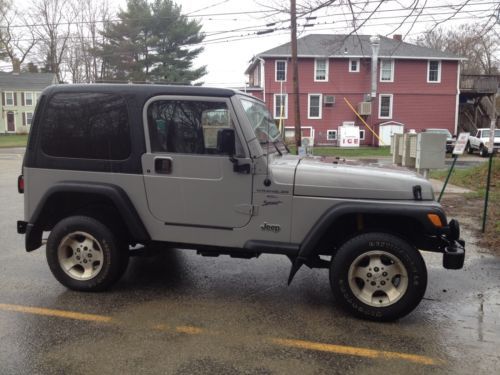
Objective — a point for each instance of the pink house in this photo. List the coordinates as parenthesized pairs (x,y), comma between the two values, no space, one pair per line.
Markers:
(414,88)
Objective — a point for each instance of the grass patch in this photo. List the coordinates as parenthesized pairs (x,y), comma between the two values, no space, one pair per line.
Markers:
(475,178)
(349,152)
(14,140)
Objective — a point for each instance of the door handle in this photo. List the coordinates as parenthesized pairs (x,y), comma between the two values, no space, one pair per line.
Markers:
(163,165)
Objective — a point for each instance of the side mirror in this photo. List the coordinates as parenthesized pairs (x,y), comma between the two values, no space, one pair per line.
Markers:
(226,141)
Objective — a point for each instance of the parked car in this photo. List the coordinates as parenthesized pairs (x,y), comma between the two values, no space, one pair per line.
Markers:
(479,139)
(450,139)
(112,167)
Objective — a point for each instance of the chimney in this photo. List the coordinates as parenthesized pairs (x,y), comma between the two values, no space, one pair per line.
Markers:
(398,37)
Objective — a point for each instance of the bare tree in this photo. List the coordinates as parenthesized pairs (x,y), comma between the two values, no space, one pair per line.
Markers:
(54,19)
(92,15)
(15,41)
(481,50)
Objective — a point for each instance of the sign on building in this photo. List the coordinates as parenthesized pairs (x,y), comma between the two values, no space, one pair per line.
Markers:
(349,136)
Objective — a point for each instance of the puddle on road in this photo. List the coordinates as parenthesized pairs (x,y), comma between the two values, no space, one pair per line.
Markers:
(464,307)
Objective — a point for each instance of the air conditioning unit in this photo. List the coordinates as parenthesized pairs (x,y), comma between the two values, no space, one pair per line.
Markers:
(307,141)
(365,108)
(329,99)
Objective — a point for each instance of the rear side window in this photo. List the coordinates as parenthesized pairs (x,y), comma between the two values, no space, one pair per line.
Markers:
(86,126)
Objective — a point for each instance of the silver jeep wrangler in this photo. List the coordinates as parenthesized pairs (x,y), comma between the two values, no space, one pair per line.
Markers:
(110,167)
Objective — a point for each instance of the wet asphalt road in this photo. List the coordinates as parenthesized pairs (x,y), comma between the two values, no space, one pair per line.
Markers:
(180,313)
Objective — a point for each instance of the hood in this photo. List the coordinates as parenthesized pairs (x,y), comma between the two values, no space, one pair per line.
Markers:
(335,178)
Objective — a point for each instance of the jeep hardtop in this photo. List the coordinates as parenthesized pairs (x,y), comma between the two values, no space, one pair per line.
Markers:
(110,168)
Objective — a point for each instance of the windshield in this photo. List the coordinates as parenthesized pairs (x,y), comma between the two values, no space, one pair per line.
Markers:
(262,122)
(486,133)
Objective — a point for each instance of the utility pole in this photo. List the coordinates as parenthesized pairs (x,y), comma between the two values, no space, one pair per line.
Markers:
(295,72)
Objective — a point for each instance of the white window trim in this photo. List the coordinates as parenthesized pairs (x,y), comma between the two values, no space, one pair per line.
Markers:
(362,138)
(327,63)
(309,107)
(332,130)
(33,101)
(429,69)
(13,100)
(357,66)
(390,106)
(285,114)
(276,70)
(392,70)
(26,116)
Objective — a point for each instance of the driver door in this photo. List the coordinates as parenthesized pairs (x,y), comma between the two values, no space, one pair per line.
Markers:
(188,181)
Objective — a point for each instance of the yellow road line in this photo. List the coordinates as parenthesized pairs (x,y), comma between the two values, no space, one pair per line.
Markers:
(56,313)
(192,330)
(355,351)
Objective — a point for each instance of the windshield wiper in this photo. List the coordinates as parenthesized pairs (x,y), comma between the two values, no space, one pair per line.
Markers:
(277,148)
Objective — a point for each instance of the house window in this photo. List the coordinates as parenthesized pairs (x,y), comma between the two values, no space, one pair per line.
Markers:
(331,135)
(434,71)
(29,118)
(353,65)
(385,106)
(9,98)
(361,134)
(280,106)
(280,70)
(321,69)
(314,106)
(28,98)
(387,70)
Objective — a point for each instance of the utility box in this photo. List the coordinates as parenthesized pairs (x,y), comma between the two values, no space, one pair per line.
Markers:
(431,151)
(407,159)
(396,143)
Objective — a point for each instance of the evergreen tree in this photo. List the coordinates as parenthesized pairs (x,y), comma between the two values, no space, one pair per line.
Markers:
(152,42)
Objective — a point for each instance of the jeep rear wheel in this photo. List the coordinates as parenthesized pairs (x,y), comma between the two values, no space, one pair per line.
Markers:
(83,254)
(378,276)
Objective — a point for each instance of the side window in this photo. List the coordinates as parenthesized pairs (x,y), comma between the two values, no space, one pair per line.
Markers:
(187,126)
(86,126)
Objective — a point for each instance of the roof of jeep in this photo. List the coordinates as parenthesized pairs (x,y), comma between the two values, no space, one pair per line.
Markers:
(145,89)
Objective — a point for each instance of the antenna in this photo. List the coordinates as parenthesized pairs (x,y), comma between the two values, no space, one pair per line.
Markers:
(267,181)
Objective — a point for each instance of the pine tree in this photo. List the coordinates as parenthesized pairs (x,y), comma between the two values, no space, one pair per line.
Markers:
(152,42)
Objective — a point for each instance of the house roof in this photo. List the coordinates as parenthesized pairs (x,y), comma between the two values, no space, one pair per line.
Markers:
(354,46)
(26,81)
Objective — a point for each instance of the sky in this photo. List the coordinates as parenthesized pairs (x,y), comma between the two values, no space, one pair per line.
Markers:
(227,54)
(233,27)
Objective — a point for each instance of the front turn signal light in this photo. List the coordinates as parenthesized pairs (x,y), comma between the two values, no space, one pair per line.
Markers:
(435,220)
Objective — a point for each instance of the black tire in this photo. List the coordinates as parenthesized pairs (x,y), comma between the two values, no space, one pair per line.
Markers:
(392,248)
(110,256)
(483,151)
(469,149)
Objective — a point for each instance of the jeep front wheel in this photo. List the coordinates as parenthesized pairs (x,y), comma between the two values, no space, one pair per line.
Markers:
(378,276)
(83,254)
